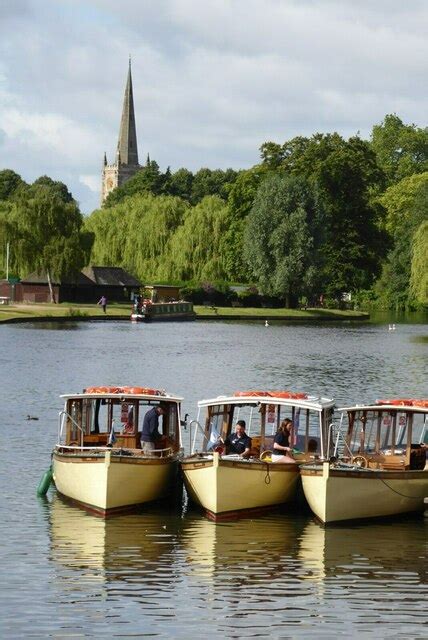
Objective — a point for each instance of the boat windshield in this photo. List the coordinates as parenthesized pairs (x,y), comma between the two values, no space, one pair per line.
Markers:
(385,431)
(262,421)
(93,421)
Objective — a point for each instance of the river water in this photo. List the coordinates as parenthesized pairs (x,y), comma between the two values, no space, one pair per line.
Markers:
(171,573)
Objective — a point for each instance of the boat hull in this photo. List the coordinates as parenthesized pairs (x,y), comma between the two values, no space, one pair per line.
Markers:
(337,494)
(106,484)
(228,489)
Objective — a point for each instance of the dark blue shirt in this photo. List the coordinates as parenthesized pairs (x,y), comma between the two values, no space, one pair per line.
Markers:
(150,431)
(238,444)
(283,439)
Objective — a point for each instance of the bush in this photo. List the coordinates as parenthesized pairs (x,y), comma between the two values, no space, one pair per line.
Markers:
(217,294)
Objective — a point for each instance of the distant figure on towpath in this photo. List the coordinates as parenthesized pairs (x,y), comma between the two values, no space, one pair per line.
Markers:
(103,302)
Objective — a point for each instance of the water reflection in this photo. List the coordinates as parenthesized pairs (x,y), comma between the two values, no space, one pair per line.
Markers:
(367,551)
(121,548)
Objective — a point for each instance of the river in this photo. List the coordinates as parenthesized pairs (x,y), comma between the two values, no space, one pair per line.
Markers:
(174,574)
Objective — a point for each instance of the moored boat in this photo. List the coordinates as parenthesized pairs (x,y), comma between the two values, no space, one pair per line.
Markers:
(229,485)
(98,462)
(374,465)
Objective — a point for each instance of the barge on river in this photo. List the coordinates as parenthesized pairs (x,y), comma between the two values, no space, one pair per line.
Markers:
(374,465)
(145,310)
(229,486)
(98,462)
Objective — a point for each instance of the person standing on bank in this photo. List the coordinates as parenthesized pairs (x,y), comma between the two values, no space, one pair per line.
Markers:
(103,302)
(150,432)
(239,442)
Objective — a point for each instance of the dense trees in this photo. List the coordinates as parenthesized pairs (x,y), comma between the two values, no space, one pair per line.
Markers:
(320,215)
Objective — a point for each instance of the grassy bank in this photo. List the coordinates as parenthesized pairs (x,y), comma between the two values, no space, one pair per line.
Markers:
(69,311)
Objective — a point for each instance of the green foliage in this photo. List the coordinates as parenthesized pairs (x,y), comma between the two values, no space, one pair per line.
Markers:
(45,234)
(10,182)
(194,251)
(401,150)
(406,207)
(278,243)
(55,186)
(419,266)
(136,233)
(208,182)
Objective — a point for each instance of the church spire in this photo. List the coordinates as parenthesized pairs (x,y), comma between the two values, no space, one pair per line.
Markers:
(127,144)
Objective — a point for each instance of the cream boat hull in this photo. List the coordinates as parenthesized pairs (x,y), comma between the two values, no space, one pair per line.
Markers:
(335,494)
(232,488)
(109,483)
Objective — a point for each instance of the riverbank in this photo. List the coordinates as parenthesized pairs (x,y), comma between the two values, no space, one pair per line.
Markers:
(21,312)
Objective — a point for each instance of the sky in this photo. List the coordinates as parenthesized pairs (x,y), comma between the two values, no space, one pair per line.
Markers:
(213,79)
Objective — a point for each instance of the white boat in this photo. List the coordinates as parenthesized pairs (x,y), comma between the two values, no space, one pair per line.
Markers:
(374,465)
(228,486)
(98,462)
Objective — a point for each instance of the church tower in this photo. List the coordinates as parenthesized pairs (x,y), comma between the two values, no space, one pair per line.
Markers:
(126,164)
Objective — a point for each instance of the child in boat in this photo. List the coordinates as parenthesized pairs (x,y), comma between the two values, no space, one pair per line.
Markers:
(282,451)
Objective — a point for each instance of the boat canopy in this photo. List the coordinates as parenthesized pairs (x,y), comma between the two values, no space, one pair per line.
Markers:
(315,403)
(385,407)
(135,396)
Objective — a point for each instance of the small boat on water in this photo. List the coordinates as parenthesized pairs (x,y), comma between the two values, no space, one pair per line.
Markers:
(98,461)
(373,464)
(227,485)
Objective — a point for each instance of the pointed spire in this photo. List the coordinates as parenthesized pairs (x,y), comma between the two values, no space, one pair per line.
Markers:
(148,160)
(127,145)
(105,159)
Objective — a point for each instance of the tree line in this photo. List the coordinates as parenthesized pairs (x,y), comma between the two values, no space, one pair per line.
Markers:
(319,216)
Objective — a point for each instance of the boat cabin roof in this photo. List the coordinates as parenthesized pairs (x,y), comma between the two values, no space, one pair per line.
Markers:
(124,396)
(385,407)
(316,403)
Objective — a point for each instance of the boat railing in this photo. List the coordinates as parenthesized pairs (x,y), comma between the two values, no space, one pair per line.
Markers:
(62,415)
(340,441)
(161,453)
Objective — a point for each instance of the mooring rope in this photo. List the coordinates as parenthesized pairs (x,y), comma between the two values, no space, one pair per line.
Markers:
(398,493)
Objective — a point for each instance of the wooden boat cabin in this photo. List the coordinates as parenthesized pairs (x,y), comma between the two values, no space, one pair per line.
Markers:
(392,434)
(263,412)
(113,416)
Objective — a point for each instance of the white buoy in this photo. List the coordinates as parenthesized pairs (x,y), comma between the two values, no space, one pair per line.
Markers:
(266,323)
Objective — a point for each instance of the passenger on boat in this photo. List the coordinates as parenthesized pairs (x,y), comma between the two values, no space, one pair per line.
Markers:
(239,442)
(282,451)
(150,432)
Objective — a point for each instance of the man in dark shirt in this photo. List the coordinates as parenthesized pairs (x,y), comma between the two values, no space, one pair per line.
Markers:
(150,432)
(239,442)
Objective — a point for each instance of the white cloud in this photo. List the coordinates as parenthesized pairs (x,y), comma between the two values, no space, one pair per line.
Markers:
(92,181)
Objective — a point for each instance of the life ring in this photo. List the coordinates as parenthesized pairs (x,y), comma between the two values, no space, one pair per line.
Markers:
(144,391)
(398,402)
(420,403)
(102,390)
(292,395)
(126,391)
(251,394)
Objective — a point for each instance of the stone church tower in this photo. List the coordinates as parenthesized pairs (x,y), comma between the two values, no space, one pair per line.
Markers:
(126,164)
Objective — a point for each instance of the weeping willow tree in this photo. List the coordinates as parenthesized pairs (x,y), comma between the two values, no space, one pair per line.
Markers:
(135,233)
(195,250)
(161,237)
(419,271)
(45,235)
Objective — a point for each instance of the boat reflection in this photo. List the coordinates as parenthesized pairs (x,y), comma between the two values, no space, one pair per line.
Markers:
(121,548)
(257,549)
(368,552)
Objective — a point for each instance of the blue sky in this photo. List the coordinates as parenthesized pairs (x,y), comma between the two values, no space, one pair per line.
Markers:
(213,80)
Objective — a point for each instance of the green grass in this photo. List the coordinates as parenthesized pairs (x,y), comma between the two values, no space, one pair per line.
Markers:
(284,314)
(71,311)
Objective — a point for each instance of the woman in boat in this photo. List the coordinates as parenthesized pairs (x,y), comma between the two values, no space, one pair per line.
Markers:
(282,451)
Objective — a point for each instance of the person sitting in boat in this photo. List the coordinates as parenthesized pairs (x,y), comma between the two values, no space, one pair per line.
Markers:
(282,451)
(239,442)
(150,432)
